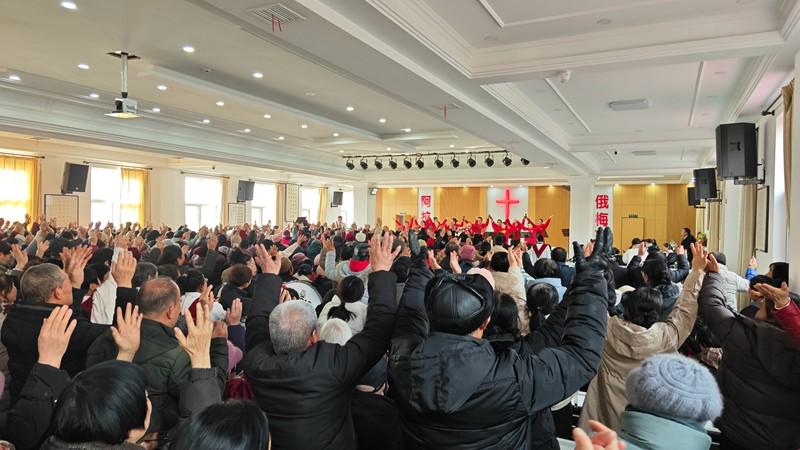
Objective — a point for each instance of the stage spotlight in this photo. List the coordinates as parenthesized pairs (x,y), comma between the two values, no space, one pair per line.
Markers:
(471,161)
(489,161)
(364,164)
(407,163)
(392,164)
(420,163)
(455,162)
(438,162)
(524,161)
(350,164)
(507,161)
(378,164)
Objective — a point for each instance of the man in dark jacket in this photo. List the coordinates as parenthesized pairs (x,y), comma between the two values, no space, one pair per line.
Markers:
(238,286)
(757,376)
(455,391)
(168,367)
(559,255)
(43,288)
(305,385)
(687,241)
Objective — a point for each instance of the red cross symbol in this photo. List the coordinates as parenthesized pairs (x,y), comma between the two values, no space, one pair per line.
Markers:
(507,202)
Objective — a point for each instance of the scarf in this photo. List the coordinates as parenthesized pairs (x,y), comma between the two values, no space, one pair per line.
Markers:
(538,249)
(358,266)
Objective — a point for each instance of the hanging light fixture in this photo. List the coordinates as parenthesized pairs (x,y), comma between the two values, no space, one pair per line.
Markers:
(489,161)
(350,164)
(364,165)
(507,160)
(455,162)
(407,163)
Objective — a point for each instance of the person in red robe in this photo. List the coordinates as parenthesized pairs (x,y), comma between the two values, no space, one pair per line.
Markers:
(479,226)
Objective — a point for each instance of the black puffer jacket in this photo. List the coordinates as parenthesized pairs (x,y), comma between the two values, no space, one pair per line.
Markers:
(757,376)
(457,392)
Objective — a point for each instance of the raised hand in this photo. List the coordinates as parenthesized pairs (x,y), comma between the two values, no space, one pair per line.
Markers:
(753,264)
(268,263)
(454,265)
(126,333)
(595,260)
(381,256)
(197,344)
(327,244)
(212,242)
(207,296)
(233,316)
(413,243)
(779,296)
(681,251)
(41,248)
(54,336)
(700,259)
(604,438)
(123,269)
(20,257)
(642,249)
(432,263)
(75,260)
(713,265)
(515,258)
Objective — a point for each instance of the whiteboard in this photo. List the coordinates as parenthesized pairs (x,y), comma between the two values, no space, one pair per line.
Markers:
(762,218)
(236,213)
(64,208)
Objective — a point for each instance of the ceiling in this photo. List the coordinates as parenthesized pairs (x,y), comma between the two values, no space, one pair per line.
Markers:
(419,79)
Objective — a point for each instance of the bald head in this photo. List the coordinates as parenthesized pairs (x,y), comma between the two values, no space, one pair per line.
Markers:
(157,296)
(292,327)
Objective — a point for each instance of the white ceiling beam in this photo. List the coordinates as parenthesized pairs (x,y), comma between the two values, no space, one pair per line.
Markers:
(644,145)
(425,136)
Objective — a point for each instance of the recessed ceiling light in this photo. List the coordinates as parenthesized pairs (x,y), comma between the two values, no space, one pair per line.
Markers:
(161,87)
(206,121)
(604,22)
(652,184)
(388,149)
(350,109)
(335,134)
(452,145)
(280,138)
(382,120)
(94,95)
(258,75)
(268,116)
(220,103)
(341,151)
(156,109)
(304,126)
(188,49)
(13,77)
(69,5)
(407,130)
(83,66)
(311,94)
(246,130)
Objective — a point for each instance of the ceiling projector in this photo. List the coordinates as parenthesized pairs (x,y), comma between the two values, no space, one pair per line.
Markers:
(124,107)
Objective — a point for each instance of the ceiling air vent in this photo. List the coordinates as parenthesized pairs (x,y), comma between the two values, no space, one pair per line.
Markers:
(278,11)
(644,152)
(630,105)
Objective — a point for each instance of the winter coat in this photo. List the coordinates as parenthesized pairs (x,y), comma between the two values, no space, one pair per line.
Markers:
(733,285)
(338,272)
(626,346)
(229,293)
(645,431)
(513,284)
(358,309)
(307,395)
(457,392)
(567,274)
(166,365)
(757,376)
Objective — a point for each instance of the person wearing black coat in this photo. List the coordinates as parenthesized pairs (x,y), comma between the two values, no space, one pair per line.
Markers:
(306,389)
(45,287)
(757,375)
(687,242)
(455,391)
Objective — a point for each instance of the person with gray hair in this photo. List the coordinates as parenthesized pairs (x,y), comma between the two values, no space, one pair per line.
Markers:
(301,382)
(335,331)
(44,287)
(168,366)
(145,271)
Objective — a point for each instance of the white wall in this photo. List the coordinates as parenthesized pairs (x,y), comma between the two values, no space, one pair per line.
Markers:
(730,227)
(581,209)
(167,191)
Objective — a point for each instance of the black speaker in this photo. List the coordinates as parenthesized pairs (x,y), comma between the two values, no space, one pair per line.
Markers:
(692,197)
(337,198)
(245,191)
(74,178)
(737,151)
(705,183)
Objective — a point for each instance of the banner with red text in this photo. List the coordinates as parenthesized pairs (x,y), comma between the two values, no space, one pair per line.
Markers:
(603,206)
(424,204)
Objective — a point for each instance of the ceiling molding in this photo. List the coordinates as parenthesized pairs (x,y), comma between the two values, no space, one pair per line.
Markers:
(649,145)
(428,135)
(568,105)
(791,10)
(697,86)
(583,12)
(516,100)
(752,74)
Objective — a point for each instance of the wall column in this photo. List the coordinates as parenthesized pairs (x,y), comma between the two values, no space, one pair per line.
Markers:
(361,202)
(793,244)
(581,209)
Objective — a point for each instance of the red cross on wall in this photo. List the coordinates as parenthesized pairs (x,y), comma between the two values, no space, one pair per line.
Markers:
(507,202)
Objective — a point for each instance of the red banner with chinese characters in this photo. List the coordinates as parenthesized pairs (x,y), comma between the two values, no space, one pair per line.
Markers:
(603,207)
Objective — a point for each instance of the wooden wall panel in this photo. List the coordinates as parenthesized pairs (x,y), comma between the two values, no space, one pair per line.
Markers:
(546,201)
(459,201)
(393,201)
(663,208)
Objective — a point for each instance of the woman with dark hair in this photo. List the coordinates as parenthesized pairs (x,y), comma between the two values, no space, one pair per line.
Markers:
(636,335)
(194,291)
(233,425)
(503,329)
(656,275)
(171,254)
(541,299)
(346,304)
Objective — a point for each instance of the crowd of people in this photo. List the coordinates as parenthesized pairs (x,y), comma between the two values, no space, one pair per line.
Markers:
(439,335)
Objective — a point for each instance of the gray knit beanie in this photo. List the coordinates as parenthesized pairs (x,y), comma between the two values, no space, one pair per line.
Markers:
(674,386)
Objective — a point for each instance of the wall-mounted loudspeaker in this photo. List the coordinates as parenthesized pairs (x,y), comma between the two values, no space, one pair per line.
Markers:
(74,178)
(705,183)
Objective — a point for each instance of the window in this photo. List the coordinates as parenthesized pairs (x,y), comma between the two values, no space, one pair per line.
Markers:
(263,207)
(348,209)
(105,195)
(309,204)
(17,197)
(203,200)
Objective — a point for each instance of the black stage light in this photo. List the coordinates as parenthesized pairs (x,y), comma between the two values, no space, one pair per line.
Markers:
(524,161)
(350,164)
(420,163)
(455,162)
(378,164)
(439,163)
(393,164)
(507,161)
(364,164)
(471,161)
(407,163)
(489,161)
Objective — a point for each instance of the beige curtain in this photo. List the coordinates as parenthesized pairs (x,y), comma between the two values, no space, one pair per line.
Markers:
(322,213)
(147,211)
(788,93)
(280,204)
(132,196)
(21,188)
(747,240)
(224,204)
(37,207)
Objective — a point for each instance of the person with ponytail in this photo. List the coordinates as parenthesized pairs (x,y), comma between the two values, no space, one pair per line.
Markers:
(638,333)
(346,304)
